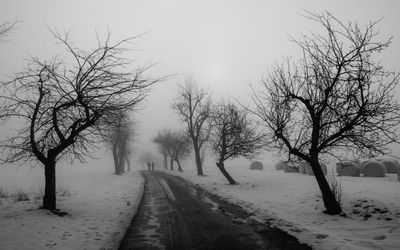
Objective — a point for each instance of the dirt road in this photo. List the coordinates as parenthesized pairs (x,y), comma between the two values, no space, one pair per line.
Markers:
(176,215)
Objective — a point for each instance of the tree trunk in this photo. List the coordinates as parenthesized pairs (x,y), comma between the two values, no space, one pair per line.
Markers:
(116,160)
(179,165)
(121,164)
(165,161)
(171,164)
(49,199)
(198,159)
(221,167)
(331,205)
(128,162)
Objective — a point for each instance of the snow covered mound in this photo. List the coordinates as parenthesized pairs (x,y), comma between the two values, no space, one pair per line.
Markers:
(256,165)
(309,171)
(302,167)
(291,168)
(374,169)
(391,166)
(280,165)
(348,168)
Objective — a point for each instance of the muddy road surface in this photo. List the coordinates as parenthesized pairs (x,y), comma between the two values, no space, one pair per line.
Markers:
(176,215)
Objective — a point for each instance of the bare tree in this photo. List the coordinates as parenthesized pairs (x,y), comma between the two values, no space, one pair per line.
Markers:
(163,140)
(173,144)
(180,147)
(60,104)
(119,135)
(336,99)
(6,28)
(193,105)
(232,135)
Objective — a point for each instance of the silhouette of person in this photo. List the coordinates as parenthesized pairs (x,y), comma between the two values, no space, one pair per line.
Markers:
(149,165)
(152,165)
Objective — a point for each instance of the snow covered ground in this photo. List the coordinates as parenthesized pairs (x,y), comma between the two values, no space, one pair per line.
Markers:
(100,207)
(291,201)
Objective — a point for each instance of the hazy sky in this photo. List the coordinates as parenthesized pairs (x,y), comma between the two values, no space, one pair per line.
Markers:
(225,44)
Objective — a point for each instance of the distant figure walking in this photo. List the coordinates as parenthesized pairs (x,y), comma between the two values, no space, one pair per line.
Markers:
(152,166)
(149,165)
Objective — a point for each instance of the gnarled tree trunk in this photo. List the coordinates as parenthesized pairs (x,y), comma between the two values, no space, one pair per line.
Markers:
(197,154)
(121,162)
(331,204)
(221,167)
(165,161)
(179,165)
(49,199)
(116,160)
(171,164)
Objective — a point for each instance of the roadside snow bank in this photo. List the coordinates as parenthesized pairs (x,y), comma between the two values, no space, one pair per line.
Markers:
(292,202)
(100,207)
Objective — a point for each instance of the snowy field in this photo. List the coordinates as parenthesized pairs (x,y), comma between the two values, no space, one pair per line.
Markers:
(100,207)
(293,203)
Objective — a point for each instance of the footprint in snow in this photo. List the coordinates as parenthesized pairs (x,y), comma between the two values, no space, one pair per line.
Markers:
(66,235)
(321,236)
(296,230)
(50,244)
(379,237)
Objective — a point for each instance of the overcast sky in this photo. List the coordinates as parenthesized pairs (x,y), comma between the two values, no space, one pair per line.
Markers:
(225,44)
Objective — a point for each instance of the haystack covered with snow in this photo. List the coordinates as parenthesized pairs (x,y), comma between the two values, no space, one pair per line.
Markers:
(309,170)
(391,165)
(302,167)
(373,169)
(348,168)
(256,165)
(280,165)
(291,168)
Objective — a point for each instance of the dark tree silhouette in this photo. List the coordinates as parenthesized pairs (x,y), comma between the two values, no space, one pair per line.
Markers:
(336,99)
(180,147)
(60,104)
(193,105)
(163,141)
(173,144)
(232,135)
(119,135)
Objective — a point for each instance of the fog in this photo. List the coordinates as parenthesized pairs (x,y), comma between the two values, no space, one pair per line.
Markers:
(226,45)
